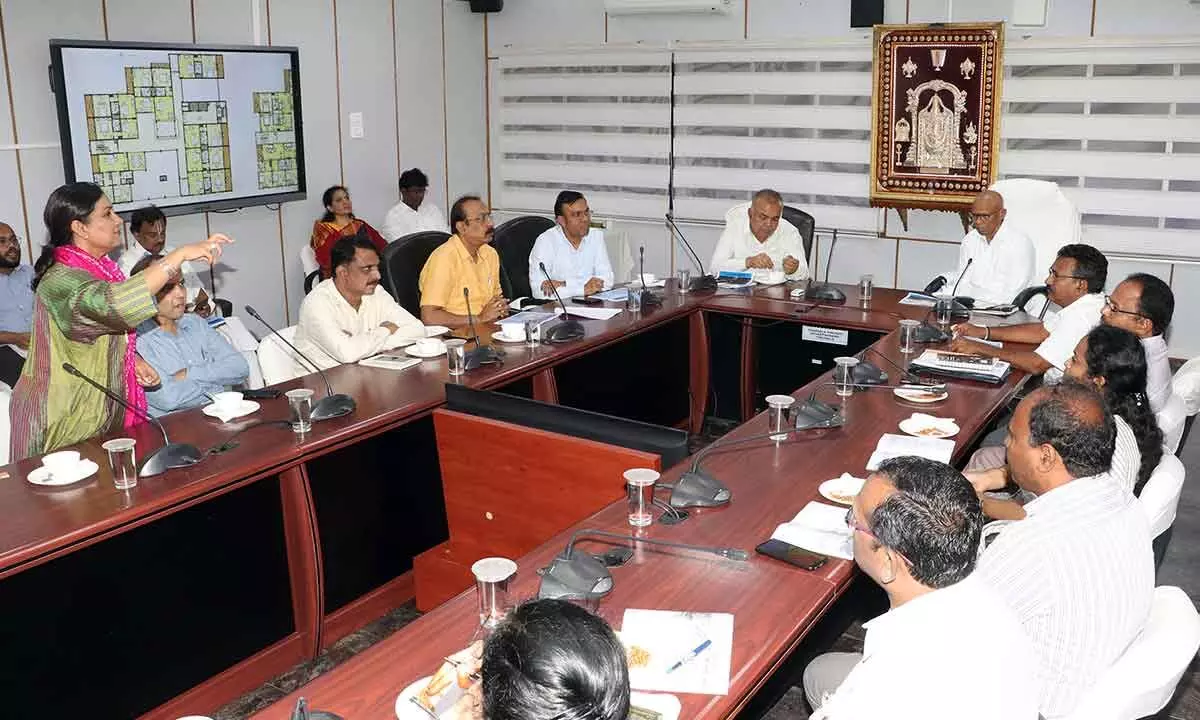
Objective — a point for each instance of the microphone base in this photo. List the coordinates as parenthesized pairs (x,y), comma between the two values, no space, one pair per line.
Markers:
(696,488)
(564,331)
(812,414)
(650,300)
(865,373)
(574,574)
(929,334)
(483,355)
(333,406)
(825,293)
(703,283)
(169,457)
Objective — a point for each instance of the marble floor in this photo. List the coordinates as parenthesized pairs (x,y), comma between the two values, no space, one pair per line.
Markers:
(1181,567)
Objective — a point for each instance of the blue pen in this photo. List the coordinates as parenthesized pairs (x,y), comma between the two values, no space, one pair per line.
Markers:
(690,656)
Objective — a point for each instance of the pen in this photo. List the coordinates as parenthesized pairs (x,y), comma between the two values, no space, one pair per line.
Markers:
(690,656)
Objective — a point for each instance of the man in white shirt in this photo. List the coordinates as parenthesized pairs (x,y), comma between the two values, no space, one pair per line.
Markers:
(755,239)
(347,317)
(1076,284)
(412,214)
(1143,304)
(916,527)
(574,252)
(995,260)
(1078,570)
(149,228)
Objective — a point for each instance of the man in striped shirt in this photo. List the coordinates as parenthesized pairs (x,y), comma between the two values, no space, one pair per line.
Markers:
(1078,569)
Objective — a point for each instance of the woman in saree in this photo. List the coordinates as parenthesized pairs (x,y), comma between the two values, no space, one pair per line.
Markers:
(84,313)
(337,223)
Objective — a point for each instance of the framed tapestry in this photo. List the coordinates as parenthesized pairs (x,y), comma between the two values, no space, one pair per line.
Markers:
(935,113)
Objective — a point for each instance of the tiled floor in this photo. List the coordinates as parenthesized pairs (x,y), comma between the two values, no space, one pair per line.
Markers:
(1181,567)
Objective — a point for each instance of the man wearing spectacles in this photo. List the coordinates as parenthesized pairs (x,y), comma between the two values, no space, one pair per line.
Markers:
(996,261)
(754,238)
(917,525)
(1076,284)
(16,306)
(466,260)
(573,252)
(1143,304)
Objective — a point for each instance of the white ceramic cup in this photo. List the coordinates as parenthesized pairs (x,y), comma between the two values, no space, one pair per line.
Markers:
(430,346)
(62,463)
(227,401)
(774,277)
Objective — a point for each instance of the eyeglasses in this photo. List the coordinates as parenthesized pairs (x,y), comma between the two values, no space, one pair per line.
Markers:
(1055,275)
(1108,303)
(10,239)
(852,523)
(482,218)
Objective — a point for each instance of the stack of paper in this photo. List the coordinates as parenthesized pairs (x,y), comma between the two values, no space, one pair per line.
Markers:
(975,367)
(819,528)
(678,651)
(917,299)
(614,295)
(891,446)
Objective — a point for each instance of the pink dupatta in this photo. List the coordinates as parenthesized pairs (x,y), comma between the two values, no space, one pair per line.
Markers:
(105,269)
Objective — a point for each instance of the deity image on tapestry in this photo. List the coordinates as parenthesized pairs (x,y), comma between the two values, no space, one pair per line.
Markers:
(934,130)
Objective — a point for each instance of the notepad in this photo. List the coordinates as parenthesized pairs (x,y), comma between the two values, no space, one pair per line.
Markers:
(819,528)
(593,313)
(891,446)
(656,640)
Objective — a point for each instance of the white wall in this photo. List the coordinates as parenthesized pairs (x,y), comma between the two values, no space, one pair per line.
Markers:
(904,257)
(346,43)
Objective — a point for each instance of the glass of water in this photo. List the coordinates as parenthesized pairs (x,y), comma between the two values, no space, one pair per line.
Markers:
(943,308)
(300,404)
(456,356)
(533,333)
(777,415)
(639,483)
(492,576)
(684,276)
(633,301)
(122,460)
(908,335)
(866,287)
(843,375)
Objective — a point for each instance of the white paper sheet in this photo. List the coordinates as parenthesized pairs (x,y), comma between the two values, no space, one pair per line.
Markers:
(593,313)
(667,637)
(891,446)
(819,528)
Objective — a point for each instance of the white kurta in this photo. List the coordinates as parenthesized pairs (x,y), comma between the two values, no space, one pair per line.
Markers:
(331,332)
(402,220)
(737,243)
(567,263)
(999,269)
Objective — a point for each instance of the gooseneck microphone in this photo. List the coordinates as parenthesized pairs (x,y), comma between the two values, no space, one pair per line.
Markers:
(961,275)
(908,375)
(169,456)
(824,291)
(482,354)
(567,330)
(333,404)
(580,575)
(650,300)
(704,283)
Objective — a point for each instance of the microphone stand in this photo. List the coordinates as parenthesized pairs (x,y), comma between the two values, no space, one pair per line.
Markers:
(824,291)
(482,354)
(704,283)
(332,405)
(169,456)
(650,300)
(570,328)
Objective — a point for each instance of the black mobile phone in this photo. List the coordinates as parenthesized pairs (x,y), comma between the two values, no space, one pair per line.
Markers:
(581,300)
(791,554)
(261,394)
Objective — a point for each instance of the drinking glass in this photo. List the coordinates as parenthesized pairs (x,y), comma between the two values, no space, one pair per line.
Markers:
(639,483)
(456,356)
(122,460)
(843,375)
(908,335)
(633,301)
(492,576)
(866,286)
(300,403)
(777,415)
(943,308)
(533,333)
(684,276)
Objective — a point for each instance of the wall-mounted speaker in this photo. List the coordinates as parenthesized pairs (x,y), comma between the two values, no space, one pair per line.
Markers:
(863,13)
(487,6)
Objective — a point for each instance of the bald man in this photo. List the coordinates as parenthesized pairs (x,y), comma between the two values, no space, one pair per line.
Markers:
(996,260)
(16,306)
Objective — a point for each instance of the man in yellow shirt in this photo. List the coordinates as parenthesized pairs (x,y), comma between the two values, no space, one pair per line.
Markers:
(465,261)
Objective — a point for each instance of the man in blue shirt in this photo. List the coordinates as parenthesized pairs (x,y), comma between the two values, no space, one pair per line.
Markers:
(16,306)
(191,358)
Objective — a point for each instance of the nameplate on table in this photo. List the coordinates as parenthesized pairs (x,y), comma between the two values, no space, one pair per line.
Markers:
(829,336)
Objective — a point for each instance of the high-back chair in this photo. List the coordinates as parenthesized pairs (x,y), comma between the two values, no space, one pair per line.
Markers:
(312,269)
(278,362)
(1160,500)
(5,396)
(401,266)
(514,240)
(806,225)
(1048,218)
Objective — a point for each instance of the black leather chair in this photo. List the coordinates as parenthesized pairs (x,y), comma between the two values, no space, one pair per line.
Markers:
(514,241)
(401,266)
(1022,299)
(311,280)
(803,222)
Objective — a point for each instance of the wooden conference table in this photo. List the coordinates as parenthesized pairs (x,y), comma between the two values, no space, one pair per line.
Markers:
(774,604)
(198,585)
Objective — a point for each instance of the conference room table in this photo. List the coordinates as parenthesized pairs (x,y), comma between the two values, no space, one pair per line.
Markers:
(774,604)
(197,585)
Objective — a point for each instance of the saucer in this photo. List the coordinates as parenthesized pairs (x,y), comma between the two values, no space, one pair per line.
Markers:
(405,708)
(920,396)
(508,339)
(412,350)
(436,330)
(41,475)
(245,408)
(841,490)
(919,428)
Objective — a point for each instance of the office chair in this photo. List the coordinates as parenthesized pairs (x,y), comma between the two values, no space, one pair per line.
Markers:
(514,240)
(804,223)
(401,265)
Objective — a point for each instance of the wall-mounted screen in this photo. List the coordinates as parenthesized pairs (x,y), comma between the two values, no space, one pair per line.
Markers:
(185,127)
